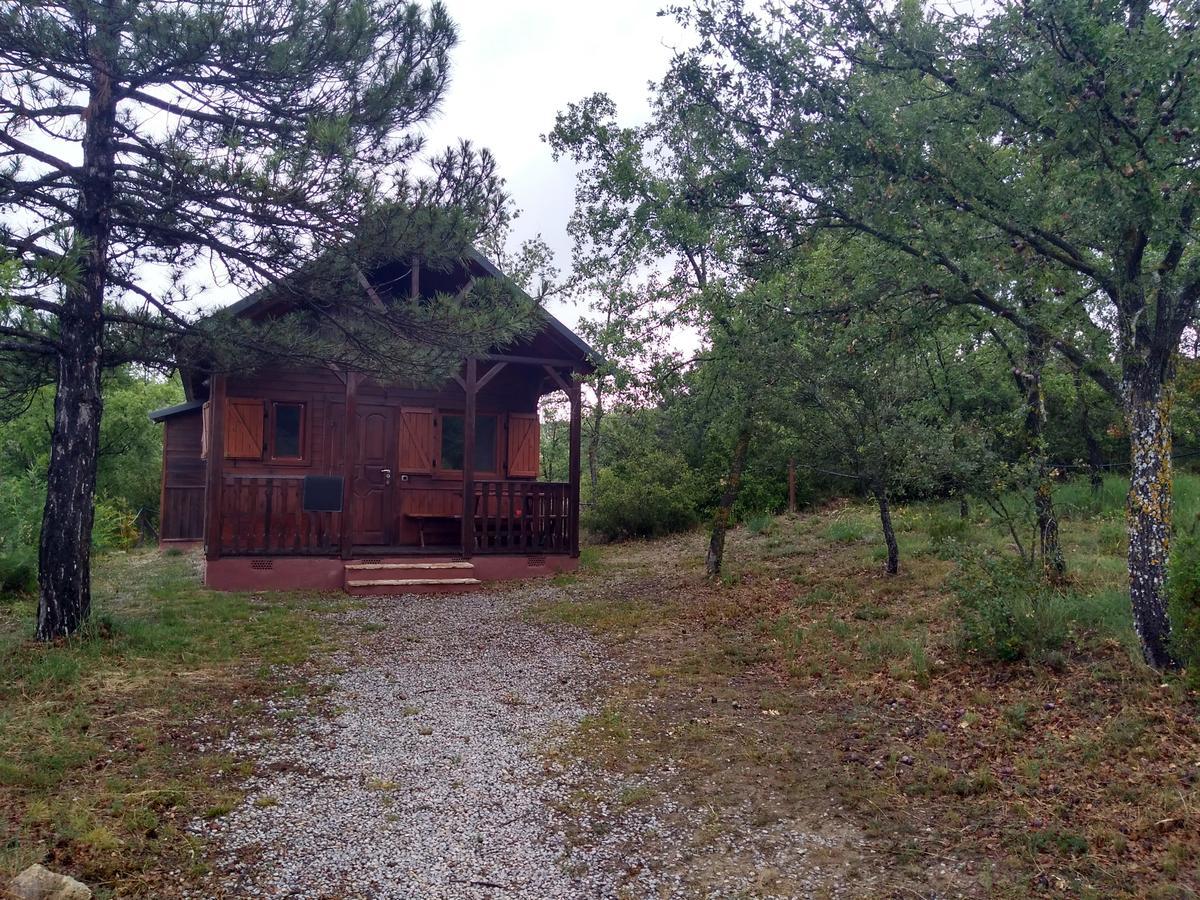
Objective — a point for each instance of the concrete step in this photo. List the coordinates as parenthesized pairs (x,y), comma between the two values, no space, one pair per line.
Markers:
(410,582)
(386,587)
(409,566)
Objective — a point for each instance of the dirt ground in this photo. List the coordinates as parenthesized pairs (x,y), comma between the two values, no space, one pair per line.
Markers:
(808,690)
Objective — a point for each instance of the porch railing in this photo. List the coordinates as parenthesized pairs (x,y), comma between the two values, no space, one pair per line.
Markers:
(522,517)
(263,515)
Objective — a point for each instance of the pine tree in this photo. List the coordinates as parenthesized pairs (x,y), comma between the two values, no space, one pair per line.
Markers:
(147,147)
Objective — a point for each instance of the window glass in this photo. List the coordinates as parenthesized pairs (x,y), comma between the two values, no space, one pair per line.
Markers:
(485,443)
(288,427)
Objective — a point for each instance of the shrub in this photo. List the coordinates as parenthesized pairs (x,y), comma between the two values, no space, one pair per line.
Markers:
(948,531)
(1183,593)
(760,494)
(648,497)
(758,524)
(21,502)
(1008,611)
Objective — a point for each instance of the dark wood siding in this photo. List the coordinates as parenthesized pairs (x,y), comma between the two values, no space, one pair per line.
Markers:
(260,510)
(182,514)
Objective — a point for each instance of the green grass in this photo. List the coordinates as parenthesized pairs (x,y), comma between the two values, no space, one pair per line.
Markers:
(100,770)
(1065,760)
(846,532)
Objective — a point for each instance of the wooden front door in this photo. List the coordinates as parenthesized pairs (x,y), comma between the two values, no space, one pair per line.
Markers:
(374,476)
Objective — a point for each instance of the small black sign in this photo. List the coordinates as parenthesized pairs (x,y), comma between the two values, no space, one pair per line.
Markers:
(322,493)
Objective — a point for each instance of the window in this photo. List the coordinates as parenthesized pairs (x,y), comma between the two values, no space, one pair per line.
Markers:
(287,431)
(452,443)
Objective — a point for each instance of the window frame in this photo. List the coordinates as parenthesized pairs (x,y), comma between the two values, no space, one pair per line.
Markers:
(439,431)
(304,458)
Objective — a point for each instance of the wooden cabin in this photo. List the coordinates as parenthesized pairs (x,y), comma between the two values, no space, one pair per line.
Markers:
(310,478)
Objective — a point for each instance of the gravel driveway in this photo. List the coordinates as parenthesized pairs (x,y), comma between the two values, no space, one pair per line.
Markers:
(423,772)
(426,779)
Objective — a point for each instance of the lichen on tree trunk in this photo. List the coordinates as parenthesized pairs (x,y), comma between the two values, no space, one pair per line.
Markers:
(1148,515)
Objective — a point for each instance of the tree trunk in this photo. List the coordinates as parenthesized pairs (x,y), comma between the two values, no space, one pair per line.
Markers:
(892,566)
(64,549)
(593,451)
(1047,524)
(1148,513)
(64,552)
(1095,455)
(964,511)
(791,486)
(716,543)
(1049,545)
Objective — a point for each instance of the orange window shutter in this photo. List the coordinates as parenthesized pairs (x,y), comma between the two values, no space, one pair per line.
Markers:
(416,440)
(524,445)
(243,429)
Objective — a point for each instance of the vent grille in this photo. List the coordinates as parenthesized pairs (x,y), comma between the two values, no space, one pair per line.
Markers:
(266,564)
(371,562)
(535,562)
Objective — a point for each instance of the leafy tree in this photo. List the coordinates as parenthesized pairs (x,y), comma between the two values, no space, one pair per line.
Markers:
(269,143)
(129,469)
(880,395)
(1052,135)
(650,216)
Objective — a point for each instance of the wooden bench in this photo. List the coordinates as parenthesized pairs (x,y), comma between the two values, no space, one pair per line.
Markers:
(422,517)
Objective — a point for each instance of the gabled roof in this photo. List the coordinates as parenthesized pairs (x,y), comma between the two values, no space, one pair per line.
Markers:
(555,325)
(552,327)
(252,302)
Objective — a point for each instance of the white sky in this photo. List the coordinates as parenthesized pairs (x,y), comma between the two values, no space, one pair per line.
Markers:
(518,63)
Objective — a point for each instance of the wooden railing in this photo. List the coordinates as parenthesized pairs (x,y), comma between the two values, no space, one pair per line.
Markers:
(182,515)
(523,517)
(265,515)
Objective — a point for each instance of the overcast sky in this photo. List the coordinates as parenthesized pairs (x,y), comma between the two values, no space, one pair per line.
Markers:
(518,63)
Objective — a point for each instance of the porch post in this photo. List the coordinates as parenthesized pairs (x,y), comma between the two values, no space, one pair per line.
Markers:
(349,458)
(573,476)
(215,466)
(468,467)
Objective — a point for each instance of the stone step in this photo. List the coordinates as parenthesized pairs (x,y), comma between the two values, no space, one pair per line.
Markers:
(410,566)
(410,582)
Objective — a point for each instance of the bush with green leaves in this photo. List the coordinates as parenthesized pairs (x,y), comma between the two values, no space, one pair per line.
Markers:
(1008,611)
(949,534)
(21,500)
(1183,591)
(652,495)
(130,444)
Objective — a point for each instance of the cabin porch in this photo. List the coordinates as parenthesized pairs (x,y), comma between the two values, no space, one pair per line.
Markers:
(381,500)
(267,515)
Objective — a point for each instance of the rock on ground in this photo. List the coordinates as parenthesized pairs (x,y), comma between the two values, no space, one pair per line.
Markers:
(39,883)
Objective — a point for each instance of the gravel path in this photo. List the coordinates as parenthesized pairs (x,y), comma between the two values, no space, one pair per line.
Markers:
(427,779)
(424,772)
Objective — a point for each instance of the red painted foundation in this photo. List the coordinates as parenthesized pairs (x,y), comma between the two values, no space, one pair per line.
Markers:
(307,573)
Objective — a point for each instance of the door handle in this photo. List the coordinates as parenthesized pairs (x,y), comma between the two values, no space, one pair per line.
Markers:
(387,475)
